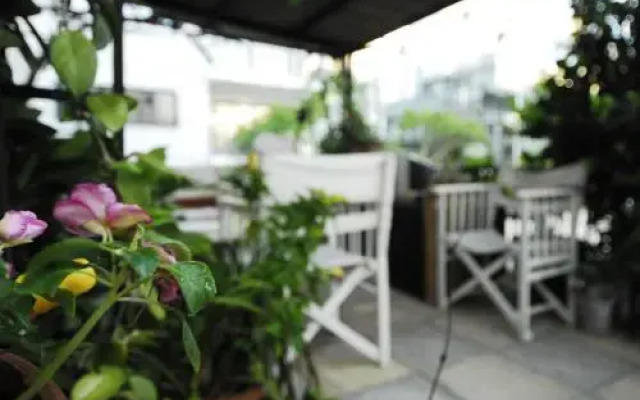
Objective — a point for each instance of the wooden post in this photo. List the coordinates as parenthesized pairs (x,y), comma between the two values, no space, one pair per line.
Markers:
(430,248)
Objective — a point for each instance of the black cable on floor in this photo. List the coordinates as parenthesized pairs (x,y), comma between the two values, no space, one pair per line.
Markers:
(445,353)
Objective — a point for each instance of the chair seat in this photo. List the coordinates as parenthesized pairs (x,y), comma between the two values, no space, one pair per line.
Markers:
(327,256)
(486,241)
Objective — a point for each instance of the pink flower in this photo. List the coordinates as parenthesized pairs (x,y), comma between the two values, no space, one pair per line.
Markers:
(93,209)
(168,288)
(18,227)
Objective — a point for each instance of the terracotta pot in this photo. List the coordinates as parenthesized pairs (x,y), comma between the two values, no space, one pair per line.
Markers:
(50,391)
(251,394)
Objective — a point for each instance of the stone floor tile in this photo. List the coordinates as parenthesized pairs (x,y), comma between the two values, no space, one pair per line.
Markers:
(411,388)
(626,388)
(343,376)
(486,359)
(567,357)
(494,378)
(421,349)
(615,347)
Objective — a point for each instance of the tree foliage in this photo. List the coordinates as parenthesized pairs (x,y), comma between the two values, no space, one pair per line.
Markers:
(589,108)
(351,133)
(443,135)
(280,120)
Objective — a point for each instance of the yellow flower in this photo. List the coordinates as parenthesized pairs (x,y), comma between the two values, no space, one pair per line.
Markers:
(253,161)
(336,272)
(79,282)
(81,261)
(42,305)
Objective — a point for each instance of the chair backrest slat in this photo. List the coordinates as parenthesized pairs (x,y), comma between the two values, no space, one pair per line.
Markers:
(355,222)
(464,207)
(550,220)
(365,181)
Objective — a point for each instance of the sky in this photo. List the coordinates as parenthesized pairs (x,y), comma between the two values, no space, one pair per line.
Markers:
(532,31)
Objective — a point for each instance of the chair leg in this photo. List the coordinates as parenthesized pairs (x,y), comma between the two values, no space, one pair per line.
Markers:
(524,308)
(571,301)
(441,277)
(384,313)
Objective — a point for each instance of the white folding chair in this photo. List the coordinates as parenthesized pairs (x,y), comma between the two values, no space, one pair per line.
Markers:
(546,247)
(358,235)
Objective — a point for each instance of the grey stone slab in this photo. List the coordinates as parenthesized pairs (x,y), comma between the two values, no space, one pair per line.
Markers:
(487,329)
(421,349)
(360,312)
(343,370)
(331,348)
(625,388)
(567,357)
(494,378)
(560,364)
(614,347)
(411,388)
(478,320)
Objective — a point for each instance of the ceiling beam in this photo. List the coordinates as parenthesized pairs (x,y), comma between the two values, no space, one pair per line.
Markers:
(331,7)
(216,23)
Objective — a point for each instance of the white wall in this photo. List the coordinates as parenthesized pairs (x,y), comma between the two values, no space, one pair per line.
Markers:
(160,59)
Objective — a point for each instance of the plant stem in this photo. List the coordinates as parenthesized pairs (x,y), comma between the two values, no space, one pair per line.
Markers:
(65,352)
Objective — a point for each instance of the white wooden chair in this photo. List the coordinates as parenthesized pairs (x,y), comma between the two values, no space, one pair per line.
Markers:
(358,236)
(545,248)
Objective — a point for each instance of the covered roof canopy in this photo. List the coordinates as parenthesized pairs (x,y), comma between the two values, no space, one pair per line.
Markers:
(335,27)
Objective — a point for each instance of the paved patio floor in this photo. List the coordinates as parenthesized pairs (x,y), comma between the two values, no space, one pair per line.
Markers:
(486,361)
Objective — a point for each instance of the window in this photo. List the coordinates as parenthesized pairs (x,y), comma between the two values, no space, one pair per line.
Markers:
(154,108)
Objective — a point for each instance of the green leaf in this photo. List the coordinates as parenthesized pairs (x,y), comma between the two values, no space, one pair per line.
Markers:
(68,149)
(44,282)
(131,185)
(154,162)
(142,388)
(9,39)
(236,302)
(112,110)
(132,103)
(180,250)
(140,338)
(196,283)
(102,385)
(63,251)
(157,310)
(67,301)
(101,32)
(144,261)
(75,60)
(199,243)
(190,346)
(6,286)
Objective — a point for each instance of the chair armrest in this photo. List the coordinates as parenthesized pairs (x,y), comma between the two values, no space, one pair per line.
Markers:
(545,192)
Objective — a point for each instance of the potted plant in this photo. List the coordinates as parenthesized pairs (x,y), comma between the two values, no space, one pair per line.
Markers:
(597,297)
(250,329)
